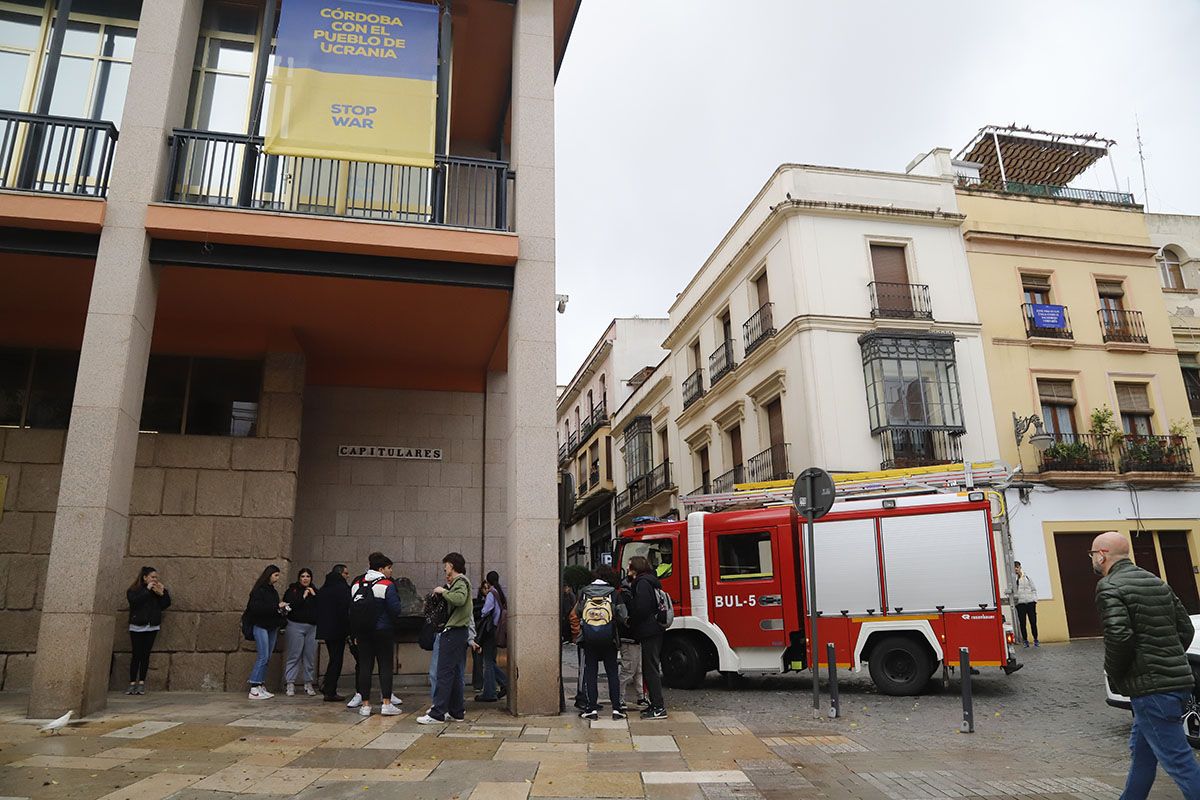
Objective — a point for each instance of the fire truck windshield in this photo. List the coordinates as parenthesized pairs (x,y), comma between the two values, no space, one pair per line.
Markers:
(657,551)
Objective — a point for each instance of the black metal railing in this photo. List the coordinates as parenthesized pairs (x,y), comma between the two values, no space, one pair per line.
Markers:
(693,387)
(899,301)
(721,362)
(769,465)
(596,420)
(1193,395)
(1048,190)
(58,155)
(1037,326)
(1077,452)
(569,447)
(759,328)
(726,482)
(621,504)
(644,487)
(1122,326)
(211,169)
(919,446)
(594,475)
(1155,454)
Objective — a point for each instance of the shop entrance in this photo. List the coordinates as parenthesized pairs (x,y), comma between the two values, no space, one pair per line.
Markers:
(1078,583)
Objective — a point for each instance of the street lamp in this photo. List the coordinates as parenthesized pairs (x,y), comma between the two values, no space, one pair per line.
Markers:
(1039,439)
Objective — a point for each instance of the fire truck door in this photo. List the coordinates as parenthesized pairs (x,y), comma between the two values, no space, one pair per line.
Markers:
(745,590)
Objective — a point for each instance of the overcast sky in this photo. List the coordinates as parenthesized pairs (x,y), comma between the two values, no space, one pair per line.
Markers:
(671,114)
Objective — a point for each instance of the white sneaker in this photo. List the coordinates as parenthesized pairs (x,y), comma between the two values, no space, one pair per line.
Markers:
(425,719)
(291,690)
(396,701)
(364,710)
(355,701)
(390,710)
(309,690)
(263,691)
(259,693)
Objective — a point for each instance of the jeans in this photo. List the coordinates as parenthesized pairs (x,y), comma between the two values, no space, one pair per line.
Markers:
(1157,738)
(433,667)
(591,663)
(139,662)
(452,663)
(580,695)
(652,669)
(378,648)
(631,671)
(333,671)
(264,642)
(1027,611)
(492,674)
(301,649)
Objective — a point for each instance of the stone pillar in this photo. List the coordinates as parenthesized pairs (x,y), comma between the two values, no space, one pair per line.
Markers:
(75,637)
(531,506)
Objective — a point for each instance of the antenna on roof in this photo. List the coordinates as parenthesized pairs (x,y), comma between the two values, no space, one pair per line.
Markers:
(1142,159)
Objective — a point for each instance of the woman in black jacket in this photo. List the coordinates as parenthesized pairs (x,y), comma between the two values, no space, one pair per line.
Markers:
(301,599)
(265,613)
(147,599)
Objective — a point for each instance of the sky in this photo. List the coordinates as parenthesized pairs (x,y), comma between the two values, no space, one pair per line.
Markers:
(670,115)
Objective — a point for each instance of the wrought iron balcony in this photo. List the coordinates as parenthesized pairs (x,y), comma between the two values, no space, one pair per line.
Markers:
(1039,326)
(230,170)
(1077,452)
(721,362)
(594,475)
(644,487)
(769,465)
(1193,395)
(1155,454)
(596,420)
(1048,190)
(759,328)
(725,483)
(899,301)
(57,155)
(919,446)
(621,504)
(1122,326)
(693,387)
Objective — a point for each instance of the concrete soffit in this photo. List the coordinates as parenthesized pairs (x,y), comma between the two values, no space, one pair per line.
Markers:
(769,388)
(731,415)
(981,241)
(700,437)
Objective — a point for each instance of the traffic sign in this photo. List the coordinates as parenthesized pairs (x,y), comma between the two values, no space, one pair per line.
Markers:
(820,484)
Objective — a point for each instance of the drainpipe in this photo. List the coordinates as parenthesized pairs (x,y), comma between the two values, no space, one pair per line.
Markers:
(250,153)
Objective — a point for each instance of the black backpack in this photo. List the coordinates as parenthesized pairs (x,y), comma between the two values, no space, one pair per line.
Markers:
(436,613)
(364,609)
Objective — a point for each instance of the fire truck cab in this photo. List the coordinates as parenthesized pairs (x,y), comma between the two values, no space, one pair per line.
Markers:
(902,583)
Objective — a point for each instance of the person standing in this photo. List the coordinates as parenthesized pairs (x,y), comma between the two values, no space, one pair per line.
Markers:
(301,599)
(148,598)
(265,613)
(1146,636)
(1026,597)
(491,632)
(647,629)
(448,700)
(632,684)
(601,612)
(333,608)
(374,609)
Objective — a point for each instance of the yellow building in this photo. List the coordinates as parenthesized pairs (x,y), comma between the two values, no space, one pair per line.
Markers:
(1085,379)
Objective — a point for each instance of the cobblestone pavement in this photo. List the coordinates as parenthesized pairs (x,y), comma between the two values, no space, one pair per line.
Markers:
(1043,733)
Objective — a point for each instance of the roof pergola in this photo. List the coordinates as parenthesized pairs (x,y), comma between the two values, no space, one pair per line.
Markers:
(1025,155)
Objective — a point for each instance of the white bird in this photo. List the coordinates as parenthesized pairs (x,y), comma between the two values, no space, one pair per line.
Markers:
(58,724)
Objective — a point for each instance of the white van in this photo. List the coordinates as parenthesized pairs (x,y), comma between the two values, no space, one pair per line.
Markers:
(1191,716)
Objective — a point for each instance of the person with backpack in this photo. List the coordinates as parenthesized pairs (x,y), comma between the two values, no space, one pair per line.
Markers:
(264,616)
(601,612)
(333,611)
(648,620)
(632,684)
(493,622)
(374,609)
(448,700)
(148,598)
(437,612)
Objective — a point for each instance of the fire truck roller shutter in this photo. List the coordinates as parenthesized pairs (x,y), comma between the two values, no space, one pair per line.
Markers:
(849,547)
(697,566)
(934,560)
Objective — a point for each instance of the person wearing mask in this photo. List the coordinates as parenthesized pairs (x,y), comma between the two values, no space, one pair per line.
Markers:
(448,701)
(646,628)
(266,613)
(373,625)
(601,611)
(632,684)
(333,608)
(301,598)
(492,619)
(148,598)
(1026,597)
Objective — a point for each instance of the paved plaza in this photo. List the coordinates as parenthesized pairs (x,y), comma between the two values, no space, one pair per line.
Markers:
(1043,733)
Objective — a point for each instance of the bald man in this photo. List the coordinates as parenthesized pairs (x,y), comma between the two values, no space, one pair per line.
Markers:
(1146,636)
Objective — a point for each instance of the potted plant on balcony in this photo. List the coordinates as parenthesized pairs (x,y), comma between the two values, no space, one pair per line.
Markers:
(1104,427)
(1075,456)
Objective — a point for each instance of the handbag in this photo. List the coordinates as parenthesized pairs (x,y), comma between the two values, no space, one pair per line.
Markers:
(247,628)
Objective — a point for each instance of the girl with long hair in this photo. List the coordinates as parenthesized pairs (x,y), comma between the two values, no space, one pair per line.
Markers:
(265,613)
(301,599)
(148,598)
(491,636)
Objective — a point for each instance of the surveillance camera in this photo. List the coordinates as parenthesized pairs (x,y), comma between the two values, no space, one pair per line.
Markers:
(562,302)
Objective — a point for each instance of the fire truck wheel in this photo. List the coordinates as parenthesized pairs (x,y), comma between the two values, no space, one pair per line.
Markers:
(900,666)
(682,663)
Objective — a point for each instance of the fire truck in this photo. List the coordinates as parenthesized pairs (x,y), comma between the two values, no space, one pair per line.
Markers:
(902,583)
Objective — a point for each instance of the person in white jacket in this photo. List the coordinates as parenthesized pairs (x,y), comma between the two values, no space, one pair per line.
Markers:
(1026,596)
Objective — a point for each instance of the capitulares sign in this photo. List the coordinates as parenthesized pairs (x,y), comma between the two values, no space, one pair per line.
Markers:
(374,451)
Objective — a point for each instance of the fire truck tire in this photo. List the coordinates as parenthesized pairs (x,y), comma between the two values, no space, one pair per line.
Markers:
(683,663)
(900,666)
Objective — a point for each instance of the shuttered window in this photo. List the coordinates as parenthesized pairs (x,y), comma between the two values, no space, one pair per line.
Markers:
(1036,288)
(1058,405)
(1133,398)
(888,264)
(1110,288)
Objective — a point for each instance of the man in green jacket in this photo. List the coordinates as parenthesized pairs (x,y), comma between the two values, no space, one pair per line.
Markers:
(1146,635)
(448,701)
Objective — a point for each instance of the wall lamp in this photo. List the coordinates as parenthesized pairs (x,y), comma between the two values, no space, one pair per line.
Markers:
(1039,439)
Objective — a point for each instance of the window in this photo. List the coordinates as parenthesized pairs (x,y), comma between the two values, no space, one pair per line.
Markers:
(20,39)
(1036,288)
(1134,402)
(591,403)
(745,557)
(911,381)
(603,392)
(638,456)
(663,451)
(224,66)
(725,328)
(695,353)
(888,264)
(762,291)
(1058,405)
(37,388)
(705,470)
(201,396)
(93,72)
(1170,268)
(659,552)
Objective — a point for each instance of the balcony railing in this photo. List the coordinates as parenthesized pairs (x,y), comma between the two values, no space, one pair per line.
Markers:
(1048,190)
(1155,454)
(725,483)
(1122,326)
(899,301)
(643,488)
(1193,395)
(919,446)
(693,387)
(721,362)
(568,448)
(594,422)
(594,475)
(1077,452)
(759,328)
(230,170)
(59,155)
(769,465)
(1040,325)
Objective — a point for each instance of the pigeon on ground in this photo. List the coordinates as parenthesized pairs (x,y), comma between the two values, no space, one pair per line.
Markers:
(58,724)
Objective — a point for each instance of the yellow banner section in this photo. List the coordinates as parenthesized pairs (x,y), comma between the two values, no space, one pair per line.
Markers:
(352,118)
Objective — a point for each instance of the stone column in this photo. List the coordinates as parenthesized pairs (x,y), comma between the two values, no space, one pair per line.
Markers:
(75,637)
(531,505)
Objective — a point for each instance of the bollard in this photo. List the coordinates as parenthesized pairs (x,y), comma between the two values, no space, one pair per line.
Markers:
(835,706)
(964,665)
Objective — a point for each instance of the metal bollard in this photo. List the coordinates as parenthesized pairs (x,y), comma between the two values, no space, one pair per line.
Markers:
(964,665)
(835,705)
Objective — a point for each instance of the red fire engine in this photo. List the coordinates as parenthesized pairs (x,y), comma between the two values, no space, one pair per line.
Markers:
(902,584)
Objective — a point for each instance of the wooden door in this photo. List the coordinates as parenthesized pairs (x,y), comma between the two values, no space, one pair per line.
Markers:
(775,432)
(1177,562)
(735,450)
(1078,583)
(891,278)
(760,286)
(704,470)
(1144,554)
